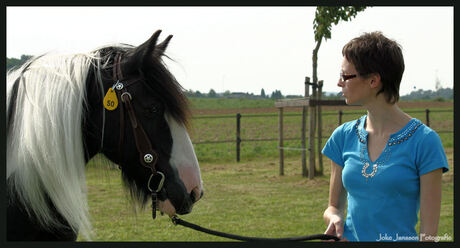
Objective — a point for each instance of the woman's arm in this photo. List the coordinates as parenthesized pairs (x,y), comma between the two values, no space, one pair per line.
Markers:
(430,203)
(334,214)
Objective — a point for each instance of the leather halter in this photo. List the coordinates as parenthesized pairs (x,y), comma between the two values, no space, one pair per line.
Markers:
(147,155)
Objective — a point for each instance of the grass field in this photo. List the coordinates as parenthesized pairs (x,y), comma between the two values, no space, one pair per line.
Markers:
(226,103)
(247,198)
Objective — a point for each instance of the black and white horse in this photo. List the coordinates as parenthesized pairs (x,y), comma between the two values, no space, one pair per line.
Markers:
(62,110)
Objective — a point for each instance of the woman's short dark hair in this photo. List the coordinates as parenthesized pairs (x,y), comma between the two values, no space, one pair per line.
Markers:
(375,53)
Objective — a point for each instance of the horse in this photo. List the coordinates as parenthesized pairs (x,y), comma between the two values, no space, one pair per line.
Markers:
(63,109)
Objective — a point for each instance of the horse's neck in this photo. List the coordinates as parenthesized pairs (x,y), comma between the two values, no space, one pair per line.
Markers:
(92,121)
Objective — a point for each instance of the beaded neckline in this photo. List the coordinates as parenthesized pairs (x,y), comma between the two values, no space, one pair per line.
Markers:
(397,138)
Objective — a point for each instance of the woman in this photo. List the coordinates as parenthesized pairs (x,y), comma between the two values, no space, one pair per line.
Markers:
(386,166)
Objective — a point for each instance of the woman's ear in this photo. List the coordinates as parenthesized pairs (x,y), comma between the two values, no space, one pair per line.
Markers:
(375,81)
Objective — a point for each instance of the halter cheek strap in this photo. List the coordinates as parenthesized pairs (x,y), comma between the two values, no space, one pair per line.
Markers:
(148,157)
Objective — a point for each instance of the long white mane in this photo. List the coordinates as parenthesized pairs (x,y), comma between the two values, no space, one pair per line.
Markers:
(45,153)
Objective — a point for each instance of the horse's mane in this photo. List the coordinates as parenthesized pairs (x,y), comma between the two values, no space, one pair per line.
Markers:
(46,103)
(45,154)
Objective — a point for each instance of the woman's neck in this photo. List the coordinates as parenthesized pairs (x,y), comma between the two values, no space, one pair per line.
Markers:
(384,119)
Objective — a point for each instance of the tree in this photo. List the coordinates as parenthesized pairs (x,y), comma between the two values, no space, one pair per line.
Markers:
(276,94)
(324,18)
(262,93)
(212,93)
(198,94)
(16,63)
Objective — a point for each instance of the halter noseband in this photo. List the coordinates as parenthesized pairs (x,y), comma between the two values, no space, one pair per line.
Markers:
(147,155)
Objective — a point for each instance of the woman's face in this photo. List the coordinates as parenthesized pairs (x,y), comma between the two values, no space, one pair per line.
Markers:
(355,88)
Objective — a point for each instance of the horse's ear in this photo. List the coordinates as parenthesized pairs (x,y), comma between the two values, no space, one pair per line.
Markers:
(151,43)
(160,48)
(143,52)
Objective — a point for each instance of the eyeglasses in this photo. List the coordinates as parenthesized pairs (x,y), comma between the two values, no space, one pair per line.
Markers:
(345,77)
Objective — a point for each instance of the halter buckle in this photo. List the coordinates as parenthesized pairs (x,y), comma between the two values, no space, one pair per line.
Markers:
(160,184)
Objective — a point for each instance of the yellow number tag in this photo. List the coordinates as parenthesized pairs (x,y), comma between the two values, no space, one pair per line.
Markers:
(110,100)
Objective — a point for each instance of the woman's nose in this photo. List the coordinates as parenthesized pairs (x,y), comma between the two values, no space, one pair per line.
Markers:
(340,83)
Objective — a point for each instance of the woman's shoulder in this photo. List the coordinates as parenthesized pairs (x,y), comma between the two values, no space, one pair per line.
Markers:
(417,132)
(424,132)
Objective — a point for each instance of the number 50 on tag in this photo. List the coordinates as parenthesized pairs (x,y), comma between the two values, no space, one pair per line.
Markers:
(110,100)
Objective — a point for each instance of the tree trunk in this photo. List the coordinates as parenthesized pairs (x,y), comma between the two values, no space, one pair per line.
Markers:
(314,109)
(315,61)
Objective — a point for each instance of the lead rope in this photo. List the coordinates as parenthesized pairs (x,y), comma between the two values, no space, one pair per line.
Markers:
(177,221)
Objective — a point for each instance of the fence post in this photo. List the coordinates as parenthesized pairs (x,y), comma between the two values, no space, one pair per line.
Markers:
(304,124)
(320,156)
(280,143)
(340,117)
(311,141)
(427,117)
(238,138)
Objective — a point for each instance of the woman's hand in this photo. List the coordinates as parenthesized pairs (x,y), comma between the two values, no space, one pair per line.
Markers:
(333,216)
(335,227)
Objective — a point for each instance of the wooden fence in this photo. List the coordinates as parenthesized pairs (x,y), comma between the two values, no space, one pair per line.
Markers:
(238,117)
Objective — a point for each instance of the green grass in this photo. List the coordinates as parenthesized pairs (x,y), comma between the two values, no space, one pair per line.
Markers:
(226,103)
(247,198)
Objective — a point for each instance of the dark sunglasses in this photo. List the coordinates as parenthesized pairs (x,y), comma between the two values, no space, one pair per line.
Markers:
(345,77)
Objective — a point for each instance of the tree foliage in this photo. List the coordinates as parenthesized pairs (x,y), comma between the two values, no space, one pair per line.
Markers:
(212,93)
(325,16)
(276,94)
(440,94)
(16,63)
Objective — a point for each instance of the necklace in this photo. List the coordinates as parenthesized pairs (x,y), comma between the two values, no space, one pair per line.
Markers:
(404,136)
(375,166)
(379,162)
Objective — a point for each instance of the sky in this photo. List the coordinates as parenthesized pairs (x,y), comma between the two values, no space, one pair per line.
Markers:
(242,49)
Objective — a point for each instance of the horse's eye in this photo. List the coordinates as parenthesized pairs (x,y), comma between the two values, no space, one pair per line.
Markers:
(152,110)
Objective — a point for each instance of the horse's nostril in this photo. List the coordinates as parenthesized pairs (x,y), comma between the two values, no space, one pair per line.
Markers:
(196,194)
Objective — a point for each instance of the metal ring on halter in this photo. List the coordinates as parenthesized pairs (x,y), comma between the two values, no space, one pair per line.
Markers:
(127,93)
(119,85)
(160,185)
(148,158)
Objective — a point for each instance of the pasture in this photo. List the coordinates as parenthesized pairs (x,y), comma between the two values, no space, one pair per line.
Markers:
(247,198)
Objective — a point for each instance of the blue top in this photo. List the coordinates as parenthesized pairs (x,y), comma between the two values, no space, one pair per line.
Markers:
(383,205)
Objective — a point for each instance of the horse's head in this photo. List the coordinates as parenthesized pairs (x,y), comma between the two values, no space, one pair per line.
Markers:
(143,128)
